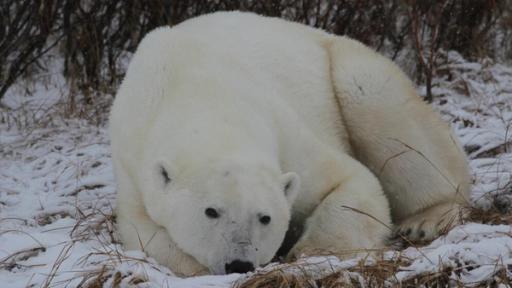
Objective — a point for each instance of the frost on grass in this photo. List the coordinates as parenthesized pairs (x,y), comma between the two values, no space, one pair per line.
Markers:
(57,197)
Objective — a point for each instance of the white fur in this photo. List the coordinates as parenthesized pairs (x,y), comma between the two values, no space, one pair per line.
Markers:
(234,106)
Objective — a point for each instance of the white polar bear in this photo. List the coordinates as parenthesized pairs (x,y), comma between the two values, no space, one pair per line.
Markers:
(231,129)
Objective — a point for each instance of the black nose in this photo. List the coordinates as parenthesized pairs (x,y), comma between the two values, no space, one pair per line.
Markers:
(238,266)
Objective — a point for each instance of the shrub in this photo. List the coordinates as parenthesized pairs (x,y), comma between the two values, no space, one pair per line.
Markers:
(94,36)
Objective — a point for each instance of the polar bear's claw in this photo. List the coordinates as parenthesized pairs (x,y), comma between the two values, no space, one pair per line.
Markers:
(429,223)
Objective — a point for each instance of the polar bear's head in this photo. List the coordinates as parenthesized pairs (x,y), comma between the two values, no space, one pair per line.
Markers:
(229,216)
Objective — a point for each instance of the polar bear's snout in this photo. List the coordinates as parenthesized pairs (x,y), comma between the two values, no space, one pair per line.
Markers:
(238,255)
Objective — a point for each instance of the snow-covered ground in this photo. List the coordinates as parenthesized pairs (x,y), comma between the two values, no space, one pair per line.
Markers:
(57,194)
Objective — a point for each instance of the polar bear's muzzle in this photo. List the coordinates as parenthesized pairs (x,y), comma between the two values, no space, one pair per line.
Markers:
(236,257)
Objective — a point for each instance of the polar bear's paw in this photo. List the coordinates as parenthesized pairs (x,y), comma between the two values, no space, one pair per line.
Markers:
(430,223)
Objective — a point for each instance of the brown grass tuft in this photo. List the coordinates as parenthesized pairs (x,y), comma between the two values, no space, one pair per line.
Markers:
(278,279)
(492,216)
(365,273)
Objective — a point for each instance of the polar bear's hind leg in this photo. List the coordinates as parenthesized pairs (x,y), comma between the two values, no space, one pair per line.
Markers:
(394,133)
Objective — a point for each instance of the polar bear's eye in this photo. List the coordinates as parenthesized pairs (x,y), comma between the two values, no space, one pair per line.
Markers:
(211,213)
(265,219)
(165,175)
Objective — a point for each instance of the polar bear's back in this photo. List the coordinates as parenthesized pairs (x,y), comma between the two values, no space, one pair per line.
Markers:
(283,59)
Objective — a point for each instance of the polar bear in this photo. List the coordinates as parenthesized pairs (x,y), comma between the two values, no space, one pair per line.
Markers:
(235,134)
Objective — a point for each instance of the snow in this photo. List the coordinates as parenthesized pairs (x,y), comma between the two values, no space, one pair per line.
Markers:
(476,249)
(57,193)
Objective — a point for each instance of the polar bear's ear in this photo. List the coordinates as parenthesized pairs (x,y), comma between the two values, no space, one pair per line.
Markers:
(291,184)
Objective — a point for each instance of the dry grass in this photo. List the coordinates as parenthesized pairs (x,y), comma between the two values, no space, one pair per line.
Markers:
(380,274)
(493,216)
(99,226)
(108,276)
(360,275)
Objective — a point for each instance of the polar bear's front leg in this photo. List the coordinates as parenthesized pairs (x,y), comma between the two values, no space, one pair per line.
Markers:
(351,219)
(138,232)
(141,233)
